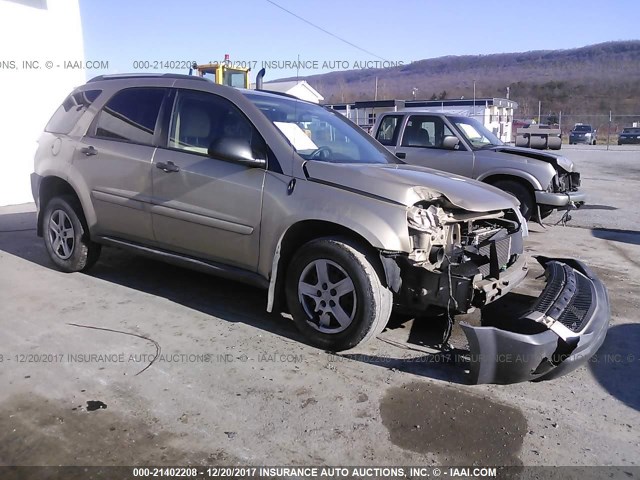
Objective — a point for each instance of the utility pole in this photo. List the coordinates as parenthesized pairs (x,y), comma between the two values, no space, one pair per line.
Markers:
(609,130)
(539,108)
(474,97)
(560,122)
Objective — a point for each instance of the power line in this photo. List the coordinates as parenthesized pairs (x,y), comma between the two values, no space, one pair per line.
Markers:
(326,31)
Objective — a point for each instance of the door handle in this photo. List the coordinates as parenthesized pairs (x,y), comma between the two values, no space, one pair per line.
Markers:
(401,155)
(88,151)
(168,167)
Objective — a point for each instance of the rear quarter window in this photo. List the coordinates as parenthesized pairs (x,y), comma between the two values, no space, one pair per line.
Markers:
(68,114)
(131,115)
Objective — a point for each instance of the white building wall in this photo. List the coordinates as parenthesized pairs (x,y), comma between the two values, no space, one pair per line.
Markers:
(33,31)
(302,92)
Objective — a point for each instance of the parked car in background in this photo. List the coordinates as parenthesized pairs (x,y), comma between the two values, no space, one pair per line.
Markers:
(583,133)
(542,181)
(296,199)
(629,135)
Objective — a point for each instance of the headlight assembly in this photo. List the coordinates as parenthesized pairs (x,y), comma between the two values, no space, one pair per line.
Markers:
(423,219)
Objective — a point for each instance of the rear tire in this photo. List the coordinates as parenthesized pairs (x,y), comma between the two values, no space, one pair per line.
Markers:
(65,235)
(335,294)
(522,193)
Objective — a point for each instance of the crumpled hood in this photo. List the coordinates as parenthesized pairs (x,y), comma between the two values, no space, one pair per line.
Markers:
(545,156)
(409,184)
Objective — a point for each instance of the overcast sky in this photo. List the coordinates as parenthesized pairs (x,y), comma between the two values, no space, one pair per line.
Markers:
(124,31)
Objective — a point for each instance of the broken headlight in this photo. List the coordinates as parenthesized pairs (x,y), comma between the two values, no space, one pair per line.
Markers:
(423,219)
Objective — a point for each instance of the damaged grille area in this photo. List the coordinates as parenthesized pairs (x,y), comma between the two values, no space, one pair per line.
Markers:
(568,296)
(482,243)
(457,257)
(503,250)
(566,182)
(464,242)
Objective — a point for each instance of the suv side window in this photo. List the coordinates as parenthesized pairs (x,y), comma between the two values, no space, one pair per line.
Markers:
(68,114)
(388,130)
(131,115)
(201,118)
(425,131)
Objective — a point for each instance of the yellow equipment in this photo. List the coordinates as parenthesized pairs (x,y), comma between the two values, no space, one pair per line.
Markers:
(224,73)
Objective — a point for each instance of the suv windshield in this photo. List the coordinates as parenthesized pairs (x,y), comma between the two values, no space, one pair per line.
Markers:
(317,133)
(582,128)
(476,134)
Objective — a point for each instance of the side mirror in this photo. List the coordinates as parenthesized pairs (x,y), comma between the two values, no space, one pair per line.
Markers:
(451,143)
(235,150)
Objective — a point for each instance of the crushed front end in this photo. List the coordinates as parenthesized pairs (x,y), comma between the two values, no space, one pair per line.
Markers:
(563,193)
(459,260)
(465,260)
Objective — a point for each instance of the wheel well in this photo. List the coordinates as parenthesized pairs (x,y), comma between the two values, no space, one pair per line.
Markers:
(511,178)
(305,231)
(51,187)
(533,211)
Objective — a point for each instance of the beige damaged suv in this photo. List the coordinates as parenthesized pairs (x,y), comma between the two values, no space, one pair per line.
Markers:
(292,197)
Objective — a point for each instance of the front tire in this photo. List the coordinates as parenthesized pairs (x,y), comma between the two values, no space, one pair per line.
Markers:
(335,294)
(65,235)
(522,193)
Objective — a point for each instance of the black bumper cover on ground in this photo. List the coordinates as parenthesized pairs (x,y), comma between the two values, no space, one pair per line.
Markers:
(574,311)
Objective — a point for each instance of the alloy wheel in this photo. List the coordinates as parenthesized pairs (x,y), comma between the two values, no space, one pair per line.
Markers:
(328,296)
(61,234)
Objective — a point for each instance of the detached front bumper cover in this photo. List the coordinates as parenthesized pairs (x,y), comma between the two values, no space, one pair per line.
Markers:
(573,313)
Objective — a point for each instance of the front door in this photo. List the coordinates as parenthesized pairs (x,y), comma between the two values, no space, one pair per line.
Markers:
(421,144)
(204,206)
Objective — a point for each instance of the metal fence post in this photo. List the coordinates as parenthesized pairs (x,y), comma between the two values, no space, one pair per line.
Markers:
(609,130)
(560,124)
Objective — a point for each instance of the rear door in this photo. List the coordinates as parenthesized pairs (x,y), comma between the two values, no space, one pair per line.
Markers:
(204,206)
(114,158)
(421,144)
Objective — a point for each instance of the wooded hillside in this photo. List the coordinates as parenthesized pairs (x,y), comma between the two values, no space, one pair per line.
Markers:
(588,80)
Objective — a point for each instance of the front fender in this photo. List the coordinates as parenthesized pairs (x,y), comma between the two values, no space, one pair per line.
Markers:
(381,224)
(515,172)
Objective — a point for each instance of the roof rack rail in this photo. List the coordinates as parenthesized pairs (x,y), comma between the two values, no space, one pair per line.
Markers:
(124,76)
(281,94)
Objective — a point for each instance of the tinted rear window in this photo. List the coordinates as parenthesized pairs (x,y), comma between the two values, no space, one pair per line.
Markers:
(131,115)
(70,111)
